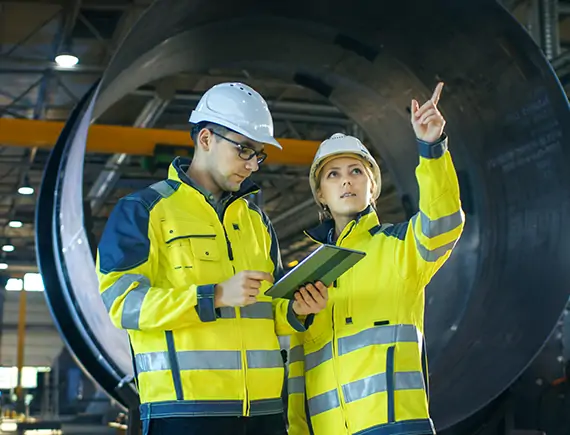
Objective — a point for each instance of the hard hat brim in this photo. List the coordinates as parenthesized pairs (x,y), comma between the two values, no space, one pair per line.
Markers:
(197,117)
(318,166)
(370,164)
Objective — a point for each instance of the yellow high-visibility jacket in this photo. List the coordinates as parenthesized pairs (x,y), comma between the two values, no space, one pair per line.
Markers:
(163,250)
(358,368)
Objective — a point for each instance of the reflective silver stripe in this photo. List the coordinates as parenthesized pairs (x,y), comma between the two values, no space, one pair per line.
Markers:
(363,388)
(437,227)
(409,381)
(132,304)
(163,188)
(431,255)
(296,385)
(209,360)
(296,354)
(152,362)
(121,286)
(227,313)
(377,384)
(378,335)
(322,355)
(264,359)
(323,402)
(190,360)
(259,310)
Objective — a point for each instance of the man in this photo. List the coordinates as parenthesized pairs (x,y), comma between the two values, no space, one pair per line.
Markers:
(183,266)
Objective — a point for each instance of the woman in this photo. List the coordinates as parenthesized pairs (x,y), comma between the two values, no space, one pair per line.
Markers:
(360,364)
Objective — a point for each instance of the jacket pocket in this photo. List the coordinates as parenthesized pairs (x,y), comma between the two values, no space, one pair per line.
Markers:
(188,243)
(390,387)
(177,232)
(205,248)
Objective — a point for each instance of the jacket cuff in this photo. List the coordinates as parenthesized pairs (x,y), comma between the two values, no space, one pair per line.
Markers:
(433,150)
(295,322)
(205,306)
(309,320)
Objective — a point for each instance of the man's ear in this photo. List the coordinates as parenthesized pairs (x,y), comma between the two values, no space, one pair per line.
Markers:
(204,139)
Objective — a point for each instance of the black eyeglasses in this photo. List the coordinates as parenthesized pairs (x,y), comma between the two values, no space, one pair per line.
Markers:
(245,152)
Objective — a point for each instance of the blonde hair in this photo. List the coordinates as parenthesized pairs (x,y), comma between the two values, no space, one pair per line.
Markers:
(324,212)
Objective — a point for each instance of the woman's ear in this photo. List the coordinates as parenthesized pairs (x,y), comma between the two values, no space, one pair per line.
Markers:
(320,197)
(372,187)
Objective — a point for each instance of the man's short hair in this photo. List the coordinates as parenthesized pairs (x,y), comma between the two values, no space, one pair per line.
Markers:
(196,128)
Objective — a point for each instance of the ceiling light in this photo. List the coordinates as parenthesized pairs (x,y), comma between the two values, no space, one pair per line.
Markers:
(8,248)
(3,266)
(15,224)
(26,188)
(66,60)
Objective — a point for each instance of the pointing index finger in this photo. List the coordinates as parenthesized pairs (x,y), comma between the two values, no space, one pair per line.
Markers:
(437,93)
(260,276)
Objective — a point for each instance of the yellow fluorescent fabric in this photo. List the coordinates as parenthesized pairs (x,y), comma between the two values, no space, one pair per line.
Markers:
(163,250)
(360,367)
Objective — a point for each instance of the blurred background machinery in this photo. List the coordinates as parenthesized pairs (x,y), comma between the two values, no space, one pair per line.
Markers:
(496,322)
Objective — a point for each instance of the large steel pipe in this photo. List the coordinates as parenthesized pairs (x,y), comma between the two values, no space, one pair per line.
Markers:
(492,306)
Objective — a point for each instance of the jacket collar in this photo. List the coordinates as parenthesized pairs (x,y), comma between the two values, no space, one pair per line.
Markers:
(178,172)
(364,221)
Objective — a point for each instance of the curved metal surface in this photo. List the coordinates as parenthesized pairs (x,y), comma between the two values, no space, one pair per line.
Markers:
(53,261)
(508,120)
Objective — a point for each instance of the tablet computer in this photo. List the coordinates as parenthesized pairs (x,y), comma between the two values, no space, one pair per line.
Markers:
(325,264)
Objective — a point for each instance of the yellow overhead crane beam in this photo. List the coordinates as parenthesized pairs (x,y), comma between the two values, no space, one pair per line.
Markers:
(110,139)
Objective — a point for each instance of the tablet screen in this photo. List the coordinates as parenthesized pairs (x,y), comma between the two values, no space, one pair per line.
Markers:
(325,264)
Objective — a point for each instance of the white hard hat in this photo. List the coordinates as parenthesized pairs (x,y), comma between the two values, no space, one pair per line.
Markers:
(337,145)
(239,108)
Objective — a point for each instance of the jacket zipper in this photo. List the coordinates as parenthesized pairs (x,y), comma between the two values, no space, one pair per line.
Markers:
(336,371)
(243,352)
(342,237)
(229,245)
(349,294)
(246,404)
(339,241)
(220,216)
